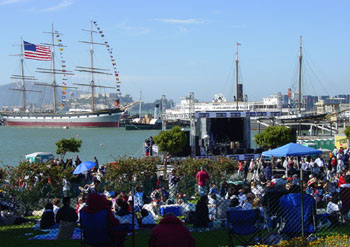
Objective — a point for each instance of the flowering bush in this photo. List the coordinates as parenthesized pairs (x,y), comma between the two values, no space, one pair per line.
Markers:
(126,171)
(330,241)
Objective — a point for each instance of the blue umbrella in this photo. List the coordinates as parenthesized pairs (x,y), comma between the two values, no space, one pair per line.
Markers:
(84,166)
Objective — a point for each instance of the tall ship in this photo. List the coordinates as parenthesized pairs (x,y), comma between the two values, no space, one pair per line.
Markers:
(93,117)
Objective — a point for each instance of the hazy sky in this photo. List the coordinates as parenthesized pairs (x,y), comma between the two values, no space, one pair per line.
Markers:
(183,46)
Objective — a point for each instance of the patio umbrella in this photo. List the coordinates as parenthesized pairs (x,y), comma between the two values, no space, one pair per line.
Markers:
(84,166)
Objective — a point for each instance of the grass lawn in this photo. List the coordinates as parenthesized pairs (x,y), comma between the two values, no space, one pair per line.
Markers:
(15,236)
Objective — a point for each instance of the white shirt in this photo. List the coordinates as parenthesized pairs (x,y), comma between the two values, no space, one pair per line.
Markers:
(332,208)
(305,166)
(319,162)
(55,209)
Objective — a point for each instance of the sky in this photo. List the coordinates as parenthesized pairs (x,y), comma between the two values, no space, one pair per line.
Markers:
(173,48)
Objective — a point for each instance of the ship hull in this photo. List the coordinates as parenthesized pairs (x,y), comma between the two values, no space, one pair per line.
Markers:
(81,120)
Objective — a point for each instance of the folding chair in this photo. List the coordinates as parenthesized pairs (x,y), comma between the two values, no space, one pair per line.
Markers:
(290,206)
(344,196)
(241,224)
(94,229)
(270,202)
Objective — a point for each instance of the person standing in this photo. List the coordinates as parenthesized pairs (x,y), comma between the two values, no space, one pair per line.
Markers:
(96,162)
(268,171)
(202,178)
(240,170)
(151,143)
(173,182)
(246,169)
(77,161)
(146,146)
(285,166)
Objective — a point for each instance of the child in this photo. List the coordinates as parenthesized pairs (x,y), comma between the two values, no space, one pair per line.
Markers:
(333,210)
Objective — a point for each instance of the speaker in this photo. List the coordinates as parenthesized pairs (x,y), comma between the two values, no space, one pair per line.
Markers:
(237,145)
(232,145)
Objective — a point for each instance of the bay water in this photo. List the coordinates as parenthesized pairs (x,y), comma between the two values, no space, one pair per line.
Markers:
(107,144)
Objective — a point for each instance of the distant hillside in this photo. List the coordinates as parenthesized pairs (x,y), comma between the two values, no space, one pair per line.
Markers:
(13,98)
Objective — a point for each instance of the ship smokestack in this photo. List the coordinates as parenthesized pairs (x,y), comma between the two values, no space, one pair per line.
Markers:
(156,111)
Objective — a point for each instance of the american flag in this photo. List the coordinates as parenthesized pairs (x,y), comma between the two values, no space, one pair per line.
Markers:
(37,52)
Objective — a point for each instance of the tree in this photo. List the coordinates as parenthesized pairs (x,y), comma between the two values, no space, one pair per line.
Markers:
(68,145)
(275,136)
(347,132)
(170,142)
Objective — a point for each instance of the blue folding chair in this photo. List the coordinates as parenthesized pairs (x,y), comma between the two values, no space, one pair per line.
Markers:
(290,206)
(94,229)
(241,224)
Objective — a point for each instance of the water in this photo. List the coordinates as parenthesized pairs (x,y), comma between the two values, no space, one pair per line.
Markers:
(104,143)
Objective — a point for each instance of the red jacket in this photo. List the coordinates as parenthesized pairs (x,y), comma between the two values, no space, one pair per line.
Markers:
(341,181)
(171,232)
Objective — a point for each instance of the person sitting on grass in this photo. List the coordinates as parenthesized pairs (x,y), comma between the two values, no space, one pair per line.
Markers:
(66,217)
(48,218)
(332,210)
(56,205)
(171,232)
(123,214)
(201,216)
(147,218)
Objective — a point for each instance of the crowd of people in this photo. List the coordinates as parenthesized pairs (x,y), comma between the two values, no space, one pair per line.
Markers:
(258,184)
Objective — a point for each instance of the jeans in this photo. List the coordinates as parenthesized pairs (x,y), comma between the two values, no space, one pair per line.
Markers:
(202,190)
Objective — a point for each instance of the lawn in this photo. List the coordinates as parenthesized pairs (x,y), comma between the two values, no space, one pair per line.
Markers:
(15,236)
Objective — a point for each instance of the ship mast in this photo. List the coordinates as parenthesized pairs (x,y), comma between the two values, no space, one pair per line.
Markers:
(53,69)
(237,44)
(140,105)
(23,83)
(300,63)
(92,70)
(23,79)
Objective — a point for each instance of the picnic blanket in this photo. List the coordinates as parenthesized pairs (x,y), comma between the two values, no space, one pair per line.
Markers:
(52,235)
